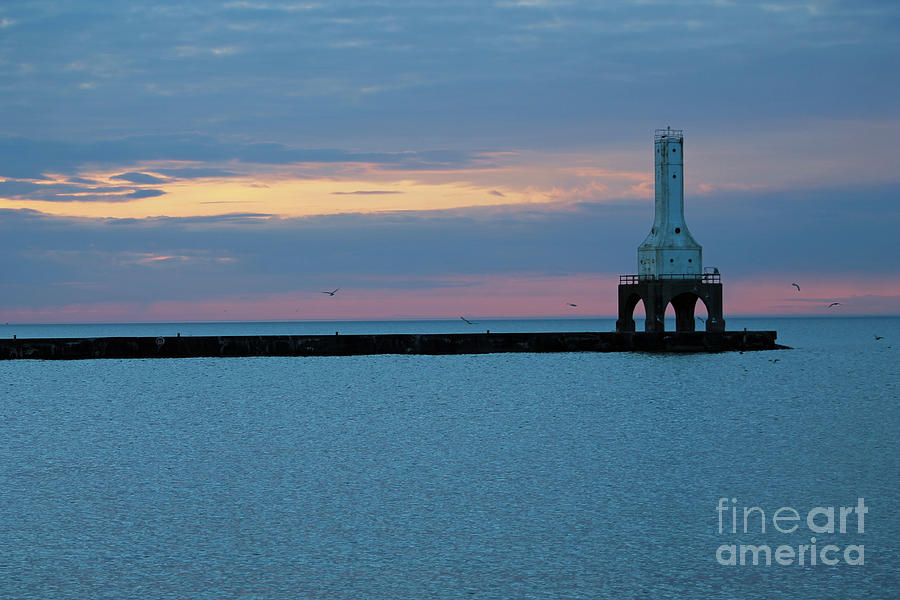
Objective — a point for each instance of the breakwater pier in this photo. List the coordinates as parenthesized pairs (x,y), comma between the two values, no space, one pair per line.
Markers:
(350,345)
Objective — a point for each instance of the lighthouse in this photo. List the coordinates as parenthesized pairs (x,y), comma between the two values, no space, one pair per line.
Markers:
(669,249)
(670,261)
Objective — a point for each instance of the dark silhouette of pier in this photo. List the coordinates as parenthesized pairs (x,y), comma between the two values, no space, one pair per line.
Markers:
(350,345)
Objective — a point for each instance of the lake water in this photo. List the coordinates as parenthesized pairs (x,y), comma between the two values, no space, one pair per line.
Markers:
(479,476)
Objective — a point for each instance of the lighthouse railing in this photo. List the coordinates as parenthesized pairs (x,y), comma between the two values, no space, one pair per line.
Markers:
(702,277)
(668,133)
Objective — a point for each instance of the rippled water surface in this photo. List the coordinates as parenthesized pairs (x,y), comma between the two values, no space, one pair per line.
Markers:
(489,476)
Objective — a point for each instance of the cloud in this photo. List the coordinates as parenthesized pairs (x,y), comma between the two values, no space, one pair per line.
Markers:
(447,76)
(34,159)
(138,194)
(533,3)
(192,51)
(197,173)
(776,238)
(138,178)
(71,191)
(367,192)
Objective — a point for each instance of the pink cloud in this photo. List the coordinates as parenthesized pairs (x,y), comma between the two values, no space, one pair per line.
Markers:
(483,297)
(775,295)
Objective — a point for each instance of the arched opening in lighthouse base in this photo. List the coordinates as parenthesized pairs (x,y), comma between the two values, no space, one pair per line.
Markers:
(684,310)
(631,308)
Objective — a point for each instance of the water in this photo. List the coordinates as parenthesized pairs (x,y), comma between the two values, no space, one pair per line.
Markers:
(490,476)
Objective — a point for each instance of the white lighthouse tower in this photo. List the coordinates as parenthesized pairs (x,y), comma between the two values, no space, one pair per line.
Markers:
(670,261)
(670,251)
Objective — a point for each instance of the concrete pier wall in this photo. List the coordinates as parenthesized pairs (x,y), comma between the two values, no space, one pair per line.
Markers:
(347,345)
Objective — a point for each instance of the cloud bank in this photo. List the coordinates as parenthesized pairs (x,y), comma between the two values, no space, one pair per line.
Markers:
(257,256)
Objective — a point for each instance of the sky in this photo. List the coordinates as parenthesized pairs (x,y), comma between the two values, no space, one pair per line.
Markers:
(231,160)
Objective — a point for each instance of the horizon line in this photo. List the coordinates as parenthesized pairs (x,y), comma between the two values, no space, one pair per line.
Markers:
(447,318)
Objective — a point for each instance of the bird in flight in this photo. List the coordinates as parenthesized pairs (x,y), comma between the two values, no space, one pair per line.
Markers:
(468,321)
(878,337)
(796,285)
(834,304)
(332,293)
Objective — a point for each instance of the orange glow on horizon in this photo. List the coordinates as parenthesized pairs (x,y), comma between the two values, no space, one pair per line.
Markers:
(322,189)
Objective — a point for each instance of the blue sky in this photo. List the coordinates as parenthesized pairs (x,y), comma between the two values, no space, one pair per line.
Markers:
(180,160)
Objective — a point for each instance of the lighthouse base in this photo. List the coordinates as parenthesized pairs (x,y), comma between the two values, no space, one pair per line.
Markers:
(682,294)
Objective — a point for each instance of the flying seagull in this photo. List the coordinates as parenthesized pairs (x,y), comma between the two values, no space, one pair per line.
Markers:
(468,321)
(796,285)
(332,293)
(834,304)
